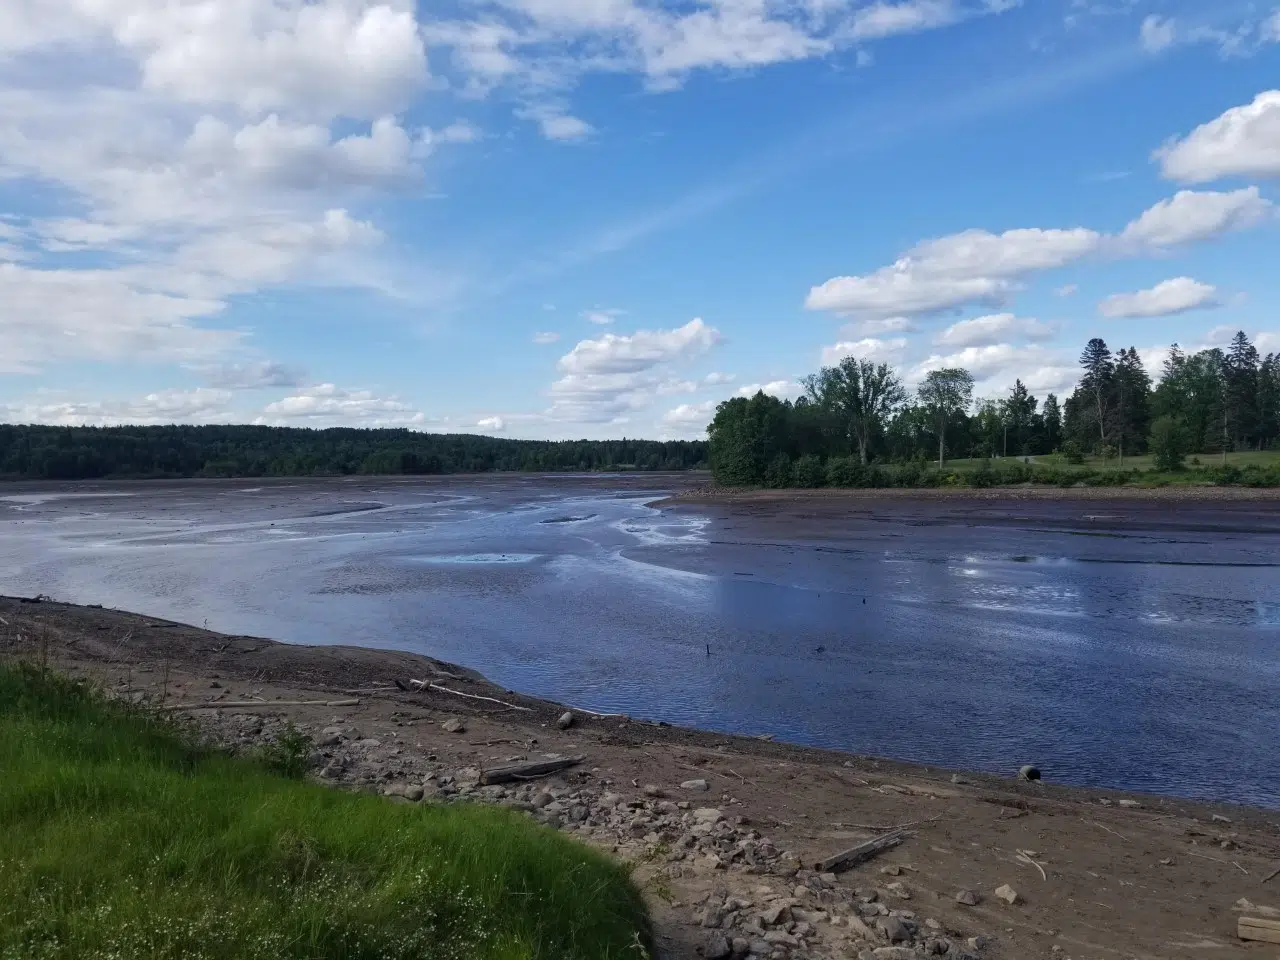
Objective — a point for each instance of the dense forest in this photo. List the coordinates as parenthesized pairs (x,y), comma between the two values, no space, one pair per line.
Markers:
(78,453)
(857,425)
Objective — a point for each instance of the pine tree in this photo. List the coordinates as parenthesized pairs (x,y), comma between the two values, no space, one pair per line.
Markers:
(1052,423)
(1129,407)
(1096,384)
(1241,382)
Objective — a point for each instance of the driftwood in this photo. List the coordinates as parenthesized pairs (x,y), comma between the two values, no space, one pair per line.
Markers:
(527,771)
(862,852)
(1272,875)
(1255,928)
(259,704)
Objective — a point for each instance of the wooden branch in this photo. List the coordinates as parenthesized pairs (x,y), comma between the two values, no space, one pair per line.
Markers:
(527,771)
(1255,928)
(861,853)
(474,696)
(1272,875)
(258,704)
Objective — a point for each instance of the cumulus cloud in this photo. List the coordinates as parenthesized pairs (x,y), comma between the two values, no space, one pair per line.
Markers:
(325,404)
(718,379)
(1157,33)
(1242,142)
(610,378)
(782,389)
(869,348)
(1066,290)
(616,353)
(201,405)
(1190,216)
(546,337)
(1179,295)
(988,361)
(690,414)
(602,318)
(994,328)
(976,267)
(491,424)
(557,124)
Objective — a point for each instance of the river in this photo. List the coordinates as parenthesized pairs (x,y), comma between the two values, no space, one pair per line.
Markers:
(1126,645)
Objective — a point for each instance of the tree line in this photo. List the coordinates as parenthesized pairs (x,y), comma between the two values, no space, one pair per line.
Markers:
(80,453)
(859,414)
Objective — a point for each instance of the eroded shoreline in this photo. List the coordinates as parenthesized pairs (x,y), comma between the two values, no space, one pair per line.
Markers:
(1149,877)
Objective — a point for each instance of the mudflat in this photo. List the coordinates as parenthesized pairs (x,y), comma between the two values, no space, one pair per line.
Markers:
(1098,874)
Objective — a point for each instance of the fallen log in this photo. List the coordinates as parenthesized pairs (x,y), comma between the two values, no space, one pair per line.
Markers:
(1272,875)
(527,771)
(476,696)
(1255,928)
(258,704)
(861,853)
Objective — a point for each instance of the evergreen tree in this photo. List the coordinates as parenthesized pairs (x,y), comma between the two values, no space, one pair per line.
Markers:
(1129,407)
(1096,387)
(1052,423)
(1241,381)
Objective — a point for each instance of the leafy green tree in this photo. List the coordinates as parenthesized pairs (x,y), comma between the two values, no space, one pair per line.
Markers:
(859,395)
(809,472)
(746,436)
(945,393)
(1168,443)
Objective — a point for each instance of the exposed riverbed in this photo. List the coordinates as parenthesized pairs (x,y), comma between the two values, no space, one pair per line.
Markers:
(1134,645)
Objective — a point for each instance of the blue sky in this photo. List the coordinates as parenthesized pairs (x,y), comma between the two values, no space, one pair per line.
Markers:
(592,218)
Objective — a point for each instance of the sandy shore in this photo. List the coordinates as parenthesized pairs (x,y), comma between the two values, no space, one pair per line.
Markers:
(1124,876)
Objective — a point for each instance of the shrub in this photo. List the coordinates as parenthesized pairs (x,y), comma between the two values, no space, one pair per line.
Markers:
(1071,452)
(1168,443)
(778,473)
(809,472)
(844,472)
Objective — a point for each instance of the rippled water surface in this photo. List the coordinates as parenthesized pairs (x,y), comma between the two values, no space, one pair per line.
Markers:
(1127,645)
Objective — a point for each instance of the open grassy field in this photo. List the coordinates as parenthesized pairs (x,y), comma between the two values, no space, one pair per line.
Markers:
(124,838)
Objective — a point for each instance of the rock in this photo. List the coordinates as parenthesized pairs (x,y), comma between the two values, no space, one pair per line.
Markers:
(650,790)
(707,815)
(893,870)
(1029,773)
(938,947)
(1130,804)
(717,948)
(957,779)
(414,793)
(859,927)
(453,725)
(894,930)
(1219,818)
(759,948)
(977,943)
(899,890)
(968,898)
(700,785)
(712,917)
(393,790)
(566,720)
(894,953)
(1007,894)
(741,946)
(776,914)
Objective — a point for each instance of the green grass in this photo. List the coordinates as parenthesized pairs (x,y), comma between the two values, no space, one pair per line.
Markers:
(120,837)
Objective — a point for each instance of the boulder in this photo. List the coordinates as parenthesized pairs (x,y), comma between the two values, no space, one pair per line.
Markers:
(566,720)
(968,897)
(453,725)
(1007,894)
(698,785)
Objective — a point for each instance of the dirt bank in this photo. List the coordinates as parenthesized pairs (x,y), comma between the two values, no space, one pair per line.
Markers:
(1124,876)
(711,494)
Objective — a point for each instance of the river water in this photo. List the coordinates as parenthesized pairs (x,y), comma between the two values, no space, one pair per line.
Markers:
(1124,645)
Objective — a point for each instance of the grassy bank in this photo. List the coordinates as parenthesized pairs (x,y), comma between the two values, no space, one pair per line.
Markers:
(124,838)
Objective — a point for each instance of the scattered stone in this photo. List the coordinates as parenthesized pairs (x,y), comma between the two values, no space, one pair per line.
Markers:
(717,948)
(707,815)
(566,720)
(894,953)
(1029,773)
(1130,804)
(968,897)
(1167,862)
(776,914)
(899,890)
(1007,894)
(453,725)
(978,943)
(414,793)
(1219,818)
(650,790)
(894,930)
(700,785)
(893,870)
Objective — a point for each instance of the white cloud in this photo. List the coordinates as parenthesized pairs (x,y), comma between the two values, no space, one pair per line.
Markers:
(602,318)
(608,379)
(491,424)
(249,376)
(876,326)
(970,267)
(546,337)
(1157,33)
(718,379)
(782,389)
(869,348)
(1242,142)
(1190,216)
(994,328)
(615,353)
(988,361)
(201,405)
(556,124)
(1066,290)
(328,405)
(882,19)
(691,414)
(1170,297)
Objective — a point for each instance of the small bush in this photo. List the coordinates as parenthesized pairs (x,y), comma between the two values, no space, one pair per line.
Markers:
(844,472)
(289,754)
(1072,453)
(778,473)
(1168,444)
(809,472)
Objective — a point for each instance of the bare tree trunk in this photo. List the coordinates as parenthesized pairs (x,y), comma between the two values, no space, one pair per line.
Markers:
(942,439)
